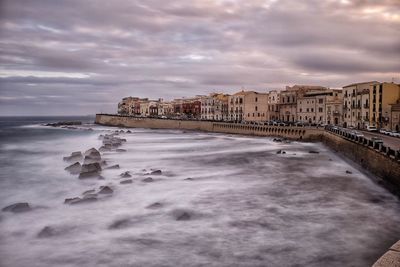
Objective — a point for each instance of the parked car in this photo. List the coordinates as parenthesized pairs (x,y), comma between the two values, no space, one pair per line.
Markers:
(383,131)
(371,129)
(394,134)
(358,134)
(376,140)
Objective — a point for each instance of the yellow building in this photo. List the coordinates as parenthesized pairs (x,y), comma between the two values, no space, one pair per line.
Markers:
(382,96)
(248,106)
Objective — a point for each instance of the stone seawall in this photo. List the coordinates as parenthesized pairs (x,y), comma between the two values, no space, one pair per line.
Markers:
(293,133)
(376,160)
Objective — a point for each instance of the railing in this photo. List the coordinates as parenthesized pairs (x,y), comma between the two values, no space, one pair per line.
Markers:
(377,146)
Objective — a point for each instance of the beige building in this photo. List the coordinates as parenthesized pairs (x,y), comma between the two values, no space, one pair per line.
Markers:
(356,110)
(166,109)
(394,117)
(215,107)
(248,106)
(320,107)
(383,97)
(288,100)
(273,105)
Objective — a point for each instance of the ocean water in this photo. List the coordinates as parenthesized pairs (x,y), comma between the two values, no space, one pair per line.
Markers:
(244,205)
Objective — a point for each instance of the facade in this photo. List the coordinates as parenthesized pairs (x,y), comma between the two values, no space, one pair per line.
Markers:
(395,117)
(320,107)
(288,100)
(214,107)
(191,108)
(356,104)
(248,106)
(131,105)
(383,97)
(273,105)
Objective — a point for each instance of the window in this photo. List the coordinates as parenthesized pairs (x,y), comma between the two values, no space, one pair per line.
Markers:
(320,110)
(312,110)
(256,99)
(256,108)
(320,100)
(258,114)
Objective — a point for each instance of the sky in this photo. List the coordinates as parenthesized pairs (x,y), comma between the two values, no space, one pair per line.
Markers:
(81,57)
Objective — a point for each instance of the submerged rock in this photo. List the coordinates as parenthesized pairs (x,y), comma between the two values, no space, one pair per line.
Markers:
(47,231)
(148,180)
(83,200)
(93,151)
(91,170)
(313,152)
(64,123)
(280,152)
(348,172)
(116,166)
(91,191)
(74,168)
(181,215)
(155,205)
(127,181)
(18,207)
(69,200)
(155,172)
(188,179)
(75,156)
(126,174)
(122,223)
(121,150)
(105,190)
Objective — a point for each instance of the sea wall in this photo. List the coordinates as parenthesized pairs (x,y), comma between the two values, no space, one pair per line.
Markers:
(293,133)
(381,161)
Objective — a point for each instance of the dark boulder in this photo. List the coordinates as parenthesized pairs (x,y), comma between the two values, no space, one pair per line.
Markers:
(148,180)
(348,172)
(313,152)
(105,190)
(18,207)
(127,181)
(155,172)
(129,131)
(64,123)
(74,168)
(91,167)
(280,152)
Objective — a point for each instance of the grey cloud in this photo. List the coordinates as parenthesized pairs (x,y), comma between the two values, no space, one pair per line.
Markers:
(158,49)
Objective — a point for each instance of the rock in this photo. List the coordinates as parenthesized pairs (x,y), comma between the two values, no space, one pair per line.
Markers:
(280,152)
(92,151)
(127,181)
(121,150)
(277,140)
(17,207)
(122,223)
(105,190)
(148,180)
(89,196)
(64,123)
(83,200)
(91,191)
(75,156)
(74,168)
(155,205)
(188,179)
(129,131)
(104,149)
(181,215)
(90,159)
(47,231)
(348,172)
(69,200)
(91,170)
(313,152)
(156,172)
(125,174)
(91,167)
(116,166)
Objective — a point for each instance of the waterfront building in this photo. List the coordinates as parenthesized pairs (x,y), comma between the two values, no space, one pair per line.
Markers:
(191,107)
(166,109)
(214,107)
(320,107)
(248,106)
(273,105)
(130,105)
(394,117)
(288,100)
(356,104)
(383,99)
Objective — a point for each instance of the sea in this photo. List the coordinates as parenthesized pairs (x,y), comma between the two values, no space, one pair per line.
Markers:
(220,200)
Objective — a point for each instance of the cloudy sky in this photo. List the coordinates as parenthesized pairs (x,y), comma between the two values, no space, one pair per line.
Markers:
(81,57)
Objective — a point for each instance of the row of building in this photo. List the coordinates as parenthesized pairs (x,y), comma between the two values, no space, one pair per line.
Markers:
(356,105)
